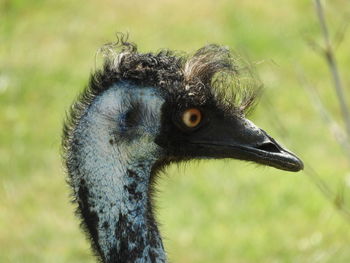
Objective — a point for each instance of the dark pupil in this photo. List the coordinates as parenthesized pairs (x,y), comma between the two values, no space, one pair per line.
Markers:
(193,118)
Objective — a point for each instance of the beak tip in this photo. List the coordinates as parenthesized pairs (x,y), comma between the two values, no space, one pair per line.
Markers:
(301,165)
(297,165)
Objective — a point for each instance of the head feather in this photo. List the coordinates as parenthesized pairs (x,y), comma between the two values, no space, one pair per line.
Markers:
(211,71)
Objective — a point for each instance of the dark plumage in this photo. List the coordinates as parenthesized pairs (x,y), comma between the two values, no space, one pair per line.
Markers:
(177,75)
(142,111)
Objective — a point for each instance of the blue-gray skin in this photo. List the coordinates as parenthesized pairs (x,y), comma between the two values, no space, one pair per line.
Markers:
(127,125)
(112,177)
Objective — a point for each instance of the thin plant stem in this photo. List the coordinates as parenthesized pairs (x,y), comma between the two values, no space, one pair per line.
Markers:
(333,67)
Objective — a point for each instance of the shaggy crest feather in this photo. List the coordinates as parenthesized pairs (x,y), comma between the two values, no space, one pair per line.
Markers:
(212,70)
(230,79)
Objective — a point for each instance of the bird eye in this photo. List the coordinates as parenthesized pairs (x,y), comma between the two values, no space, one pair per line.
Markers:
(191,117)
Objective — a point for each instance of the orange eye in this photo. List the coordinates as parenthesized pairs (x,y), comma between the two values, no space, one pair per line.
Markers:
(192,117)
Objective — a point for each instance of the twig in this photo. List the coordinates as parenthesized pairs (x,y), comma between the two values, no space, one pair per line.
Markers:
(331,62)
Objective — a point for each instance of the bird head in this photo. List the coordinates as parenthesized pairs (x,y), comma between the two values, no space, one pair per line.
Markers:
(190,107)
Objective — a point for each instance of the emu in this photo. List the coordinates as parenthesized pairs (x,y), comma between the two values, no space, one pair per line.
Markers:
(140,112)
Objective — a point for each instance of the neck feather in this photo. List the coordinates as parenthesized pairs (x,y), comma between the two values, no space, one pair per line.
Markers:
(111,179)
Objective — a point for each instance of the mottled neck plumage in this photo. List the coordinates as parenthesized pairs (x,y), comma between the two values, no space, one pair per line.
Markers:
(111,175)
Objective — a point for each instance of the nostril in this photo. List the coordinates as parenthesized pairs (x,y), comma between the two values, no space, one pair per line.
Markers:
(268,147)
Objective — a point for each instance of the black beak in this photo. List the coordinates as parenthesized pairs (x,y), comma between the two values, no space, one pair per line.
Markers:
(239,138)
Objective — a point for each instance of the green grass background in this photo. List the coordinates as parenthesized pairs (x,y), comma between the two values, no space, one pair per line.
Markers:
(217,211)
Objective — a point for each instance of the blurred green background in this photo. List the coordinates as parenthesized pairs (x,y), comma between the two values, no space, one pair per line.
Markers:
(212,211)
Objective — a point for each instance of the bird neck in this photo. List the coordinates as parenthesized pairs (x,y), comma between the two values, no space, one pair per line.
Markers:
(112,184)
(125,229)
(118,214)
